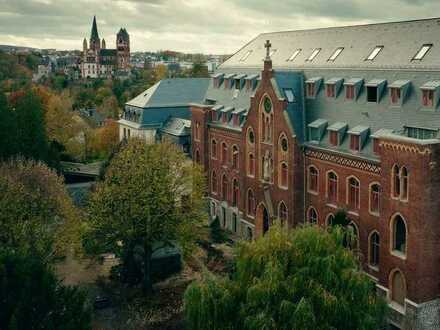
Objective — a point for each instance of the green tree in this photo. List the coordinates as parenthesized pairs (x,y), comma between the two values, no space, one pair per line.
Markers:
(8,138)
(151,195)
(37,215)
(303,279)
(31,130)
(32,298)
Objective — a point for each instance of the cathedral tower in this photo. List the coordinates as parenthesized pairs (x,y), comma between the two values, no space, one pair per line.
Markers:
(95,43)
(123,49)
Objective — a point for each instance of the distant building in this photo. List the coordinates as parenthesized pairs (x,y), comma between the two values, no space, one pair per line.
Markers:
(100,62)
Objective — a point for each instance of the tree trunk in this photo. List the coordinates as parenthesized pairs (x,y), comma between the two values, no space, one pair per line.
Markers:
(148,283)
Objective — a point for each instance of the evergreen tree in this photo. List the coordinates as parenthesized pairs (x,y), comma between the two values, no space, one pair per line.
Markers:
(32,298)
(8,133)
(31,137)
(304,279)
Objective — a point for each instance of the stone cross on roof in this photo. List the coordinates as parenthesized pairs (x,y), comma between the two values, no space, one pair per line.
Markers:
(267,45)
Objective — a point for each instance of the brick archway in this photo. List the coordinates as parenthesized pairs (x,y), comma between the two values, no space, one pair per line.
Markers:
(262,220)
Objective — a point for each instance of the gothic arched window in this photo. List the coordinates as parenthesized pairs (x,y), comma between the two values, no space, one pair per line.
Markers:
(398,228)
(250,201)
(224,187)
(214,183)
(374,249)
(235,192)
(398,287)
(312,216)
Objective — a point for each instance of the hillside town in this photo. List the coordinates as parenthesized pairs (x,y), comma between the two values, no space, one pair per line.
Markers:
(290,184)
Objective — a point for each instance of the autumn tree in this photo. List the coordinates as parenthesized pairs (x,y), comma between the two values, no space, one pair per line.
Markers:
(37,215)
(31,297)
(151,195)
(303,279)
(104,140)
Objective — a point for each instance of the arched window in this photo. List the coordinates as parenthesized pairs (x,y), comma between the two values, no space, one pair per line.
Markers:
(235,157)
(352,241)
(235,191)
(224,153)
(284,175)
(330,219)
(214,149)
(332,187)
(251,164)
(214,183)
(374,249)
(312,216)
(266,120)
(282,213)
(250,136)
(353,187)
(197,156)
(396,181)
(398,287)
(375,192)
(283,143)
(250,203)
(224,187)
(249,234)
(399,234)
(197,131)
(313,179)
(404,183)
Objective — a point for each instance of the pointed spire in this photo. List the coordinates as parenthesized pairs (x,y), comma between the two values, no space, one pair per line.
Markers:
(103,44)
(94,35)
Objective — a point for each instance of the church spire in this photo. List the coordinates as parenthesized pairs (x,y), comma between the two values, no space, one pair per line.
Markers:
(94,35)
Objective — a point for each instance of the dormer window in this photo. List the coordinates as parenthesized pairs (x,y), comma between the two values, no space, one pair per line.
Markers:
(422,52)
(375,88)
(398,91)
(333,138)
(430,92)
(317,129)
(313,55)
(355,142)
(335,54)
(332,87)
(352,88)
(294,55)
(246,55)
(336,133)
(374,53)
(312,87)
(237,84)
(330,90)
(358,137)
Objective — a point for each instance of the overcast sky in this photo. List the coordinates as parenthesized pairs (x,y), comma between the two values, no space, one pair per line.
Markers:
(207,26)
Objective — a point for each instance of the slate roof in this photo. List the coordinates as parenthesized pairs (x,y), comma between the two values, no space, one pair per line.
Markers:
(177,126)
(401,41)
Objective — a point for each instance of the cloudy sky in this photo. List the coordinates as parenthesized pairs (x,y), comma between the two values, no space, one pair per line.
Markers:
(207,26)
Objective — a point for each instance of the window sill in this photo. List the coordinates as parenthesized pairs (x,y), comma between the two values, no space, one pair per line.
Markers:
(398,254)
(355,213)
(373,268)
(250,216)
(312,192)
(376,214)
(397,307)
(283,188)
(334,206)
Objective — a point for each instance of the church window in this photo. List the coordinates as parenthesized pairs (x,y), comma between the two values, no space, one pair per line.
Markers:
(224,187)
(374,249)
(374,53)
(224,153)
(313,54)
(250,203)
(313,179)
(353,199)
(294,55)
(404,183)
(375,191)
(312,216)
(214,149)
(398,230)
(267,105)
(235,157)
(251,137)
(395,181)
(284,144)
(251,165)
(335,54)
(330,219)
(284,175)
(214,182)
(235,192)
(282,213)
(332,187)
(422,52)
(353,236)
(398,288)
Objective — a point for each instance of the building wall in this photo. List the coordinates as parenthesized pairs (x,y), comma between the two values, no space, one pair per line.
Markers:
(149,135)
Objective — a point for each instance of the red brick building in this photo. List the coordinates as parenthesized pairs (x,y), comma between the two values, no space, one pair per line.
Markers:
(335,119)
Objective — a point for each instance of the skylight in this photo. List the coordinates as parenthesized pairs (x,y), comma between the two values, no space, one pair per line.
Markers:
(289,95)
(294,55)
(245,56)
(374,53)
(314,54)
(422,52)
(336,54)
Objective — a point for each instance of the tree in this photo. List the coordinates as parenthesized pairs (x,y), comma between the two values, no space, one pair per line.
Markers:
(37,215)
(32,298)
(104,140)
(160,72)
(8,139)
(151,195)
(303,279)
